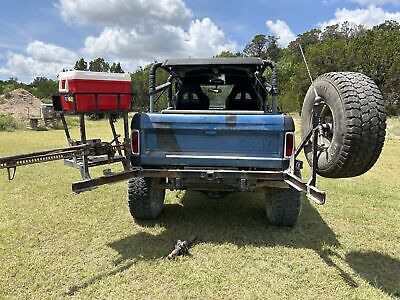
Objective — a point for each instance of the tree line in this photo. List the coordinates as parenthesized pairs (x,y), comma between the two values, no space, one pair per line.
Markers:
(98,65)
(342,47)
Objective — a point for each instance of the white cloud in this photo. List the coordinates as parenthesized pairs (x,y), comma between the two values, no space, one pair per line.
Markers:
(205,39)
(141,31)
(4,72)
(376,2)
(134,32)
(369,17)
(40,59)
(125,13)
(50,53)
(281,30)
(202,39)
(365,2)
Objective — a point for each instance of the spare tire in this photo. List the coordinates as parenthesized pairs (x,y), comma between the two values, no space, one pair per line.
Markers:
(353,119)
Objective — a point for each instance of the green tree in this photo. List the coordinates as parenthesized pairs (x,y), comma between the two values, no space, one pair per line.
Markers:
(81,65)
(392,88)
(140,86)
(99,65)
(257,47)
(331,32)
(43,87)
(305,39)
(226,53)
(12,80)
(263,46)
(9,85)
(349,30)
(116,68)
(374,52)
(272,51)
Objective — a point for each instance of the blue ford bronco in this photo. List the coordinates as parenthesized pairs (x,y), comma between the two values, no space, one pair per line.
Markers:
(222,131)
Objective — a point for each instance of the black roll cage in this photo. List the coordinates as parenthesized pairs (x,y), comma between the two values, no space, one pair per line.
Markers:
(260,66)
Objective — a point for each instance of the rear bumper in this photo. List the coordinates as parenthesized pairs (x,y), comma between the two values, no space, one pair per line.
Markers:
(245,180)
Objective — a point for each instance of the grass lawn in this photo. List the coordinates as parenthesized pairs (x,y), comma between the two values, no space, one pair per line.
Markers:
(55,244)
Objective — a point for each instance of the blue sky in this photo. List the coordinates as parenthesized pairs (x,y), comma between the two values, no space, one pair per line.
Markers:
(39,38)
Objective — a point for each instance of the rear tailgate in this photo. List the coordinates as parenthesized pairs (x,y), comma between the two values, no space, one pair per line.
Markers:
(240,141)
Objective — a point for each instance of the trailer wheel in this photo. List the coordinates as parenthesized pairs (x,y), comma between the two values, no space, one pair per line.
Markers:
(282,206)
(353,121)
(145,198)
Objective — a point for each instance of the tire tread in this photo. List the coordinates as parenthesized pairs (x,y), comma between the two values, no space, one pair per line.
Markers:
(365,117)
(142,199)
(284,206)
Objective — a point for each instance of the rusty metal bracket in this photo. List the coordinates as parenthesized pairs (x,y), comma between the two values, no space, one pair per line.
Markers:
(314,194)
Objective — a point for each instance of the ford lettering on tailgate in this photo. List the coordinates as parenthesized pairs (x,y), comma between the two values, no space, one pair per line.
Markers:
(258,145)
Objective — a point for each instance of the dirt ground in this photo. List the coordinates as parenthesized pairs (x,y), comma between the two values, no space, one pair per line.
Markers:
(22,105)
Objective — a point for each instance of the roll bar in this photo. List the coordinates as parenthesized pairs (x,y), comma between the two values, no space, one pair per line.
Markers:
(274,82)
(153,89)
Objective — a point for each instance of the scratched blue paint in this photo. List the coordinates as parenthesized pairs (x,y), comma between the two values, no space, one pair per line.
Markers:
(244,141)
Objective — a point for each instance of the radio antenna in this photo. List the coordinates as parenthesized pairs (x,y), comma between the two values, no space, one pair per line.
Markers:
(308,70)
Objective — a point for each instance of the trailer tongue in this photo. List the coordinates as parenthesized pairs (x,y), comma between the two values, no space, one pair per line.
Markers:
(104,152)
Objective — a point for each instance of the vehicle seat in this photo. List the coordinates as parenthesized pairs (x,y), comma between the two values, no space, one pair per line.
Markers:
(243,97)
(191,97)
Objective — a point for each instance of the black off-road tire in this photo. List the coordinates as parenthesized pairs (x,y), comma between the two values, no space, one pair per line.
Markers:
(282,206)
(145,198)
(359,123)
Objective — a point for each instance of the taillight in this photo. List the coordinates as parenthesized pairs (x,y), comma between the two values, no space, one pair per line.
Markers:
(135,142)
(289,144)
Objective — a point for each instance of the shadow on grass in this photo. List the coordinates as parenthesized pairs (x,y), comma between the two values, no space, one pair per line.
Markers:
(120,268)
(237,219)
(379,270)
